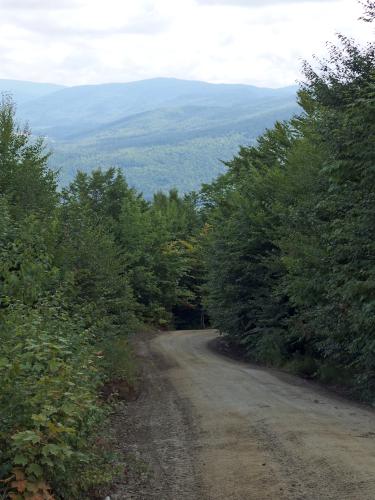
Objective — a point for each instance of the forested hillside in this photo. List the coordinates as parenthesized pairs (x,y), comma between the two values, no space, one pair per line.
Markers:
(278,254)
(79,271)
(161,133)
(290,247)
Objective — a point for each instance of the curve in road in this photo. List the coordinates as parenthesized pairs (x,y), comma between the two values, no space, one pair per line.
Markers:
(259,435)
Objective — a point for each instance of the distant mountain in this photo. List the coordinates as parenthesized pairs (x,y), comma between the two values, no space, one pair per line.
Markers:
(161,132)
(23,92)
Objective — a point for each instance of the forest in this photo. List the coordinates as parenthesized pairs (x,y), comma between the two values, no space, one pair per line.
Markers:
(80,270)
(278,254)
(290,250)
(161,132)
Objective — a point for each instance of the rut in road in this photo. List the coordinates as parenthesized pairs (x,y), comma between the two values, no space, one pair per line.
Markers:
(221,429)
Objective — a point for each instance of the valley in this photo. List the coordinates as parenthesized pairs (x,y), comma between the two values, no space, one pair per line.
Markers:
(162,133)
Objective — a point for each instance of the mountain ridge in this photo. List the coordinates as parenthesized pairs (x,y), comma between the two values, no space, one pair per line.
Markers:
(23,90)
(162,132)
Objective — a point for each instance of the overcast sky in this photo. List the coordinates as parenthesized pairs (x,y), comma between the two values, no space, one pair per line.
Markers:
(260,42)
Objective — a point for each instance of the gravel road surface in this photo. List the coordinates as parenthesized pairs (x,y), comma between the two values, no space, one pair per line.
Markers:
(211,428)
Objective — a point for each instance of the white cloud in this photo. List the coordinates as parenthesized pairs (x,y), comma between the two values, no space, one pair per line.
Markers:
(38,4)
(255,3)
(90,41)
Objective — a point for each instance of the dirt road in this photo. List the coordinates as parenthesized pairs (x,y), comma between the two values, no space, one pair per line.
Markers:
(220,429)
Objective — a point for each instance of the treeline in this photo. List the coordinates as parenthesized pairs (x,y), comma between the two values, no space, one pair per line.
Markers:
(290,247)
(79,271)
(281,248)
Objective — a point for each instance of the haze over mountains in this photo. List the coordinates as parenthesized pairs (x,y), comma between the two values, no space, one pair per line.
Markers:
(23,92)
(162,132)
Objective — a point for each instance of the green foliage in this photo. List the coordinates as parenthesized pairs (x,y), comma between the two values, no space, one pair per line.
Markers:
(48,365)
(289,248)
(306,366)
(48,396)
(78,273)
(118,360)
(25,179)
(161,133)
(87,248)
(281,247)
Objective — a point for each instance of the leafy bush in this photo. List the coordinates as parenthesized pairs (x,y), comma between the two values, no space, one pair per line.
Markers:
(305,366)
(48,397)
(77,275)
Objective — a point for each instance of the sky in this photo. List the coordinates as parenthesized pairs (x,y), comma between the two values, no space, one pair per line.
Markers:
(258,42)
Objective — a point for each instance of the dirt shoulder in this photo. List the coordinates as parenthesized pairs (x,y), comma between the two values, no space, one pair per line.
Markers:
(155,434)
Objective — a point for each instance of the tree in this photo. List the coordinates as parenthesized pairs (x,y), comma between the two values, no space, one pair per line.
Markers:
(290,230)
(25,179)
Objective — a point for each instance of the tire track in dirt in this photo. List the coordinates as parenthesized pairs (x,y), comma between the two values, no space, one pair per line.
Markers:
(211,428)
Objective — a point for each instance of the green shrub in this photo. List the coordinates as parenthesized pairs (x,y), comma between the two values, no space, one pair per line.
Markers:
(48,399)
(119,360)
(335,374)
(306,366)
